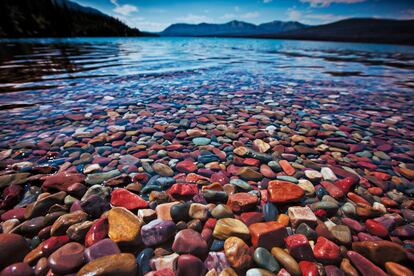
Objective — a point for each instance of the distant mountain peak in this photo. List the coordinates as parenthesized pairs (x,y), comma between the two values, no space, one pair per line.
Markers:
(231,28)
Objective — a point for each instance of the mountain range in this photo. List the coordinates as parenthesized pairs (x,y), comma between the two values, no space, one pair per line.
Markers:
(353,30)
(64,18)
(232,28)
(57,18)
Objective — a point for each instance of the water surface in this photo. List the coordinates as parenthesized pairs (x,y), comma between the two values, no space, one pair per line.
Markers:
(42,79)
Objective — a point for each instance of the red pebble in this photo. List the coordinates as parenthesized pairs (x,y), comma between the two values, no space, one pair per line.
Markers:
(210,223)
(357,199)
(332,189)
(17,213)
(326,251)
(308,268)
(298,246)
(97,232)
(376,228)
(251,217)
(53,243)
(186,190)
(345,184)
(124,198)
(186,166)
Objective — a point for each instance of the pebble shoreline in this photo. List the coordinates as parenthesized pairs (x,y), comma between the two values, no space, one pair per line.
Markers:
(242,183)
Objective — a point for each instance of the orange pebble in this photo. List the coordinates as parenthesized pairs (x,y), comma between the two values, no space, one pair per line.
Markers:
(283,219)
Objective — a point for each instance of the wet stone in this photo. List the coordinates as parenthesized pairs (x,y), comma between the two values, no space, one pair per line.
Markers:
(157,232)
(264,259)
(67,258)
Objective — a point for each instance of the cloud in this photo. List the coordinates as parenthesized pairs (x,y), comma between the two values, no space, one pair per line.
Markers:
(124,9)
(193,18)
(308,17)
(228,16)
(407,14)
(250,15)
(326,3)
(293,14)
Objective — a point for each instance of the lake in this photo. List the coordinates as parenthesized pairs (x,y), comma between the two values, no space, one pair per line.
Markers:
(245,131)
(45,78)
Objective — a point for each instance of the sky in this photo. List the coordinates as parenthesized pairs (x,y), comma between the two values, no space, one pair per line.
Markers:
(156,15)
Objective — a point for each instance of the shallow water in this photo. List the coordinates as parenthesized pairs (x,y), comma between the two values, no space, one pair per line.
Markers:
(42,79)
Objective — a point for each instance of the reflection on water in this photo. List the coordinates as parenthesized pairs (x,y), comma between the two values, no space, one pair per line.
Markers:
(36,72)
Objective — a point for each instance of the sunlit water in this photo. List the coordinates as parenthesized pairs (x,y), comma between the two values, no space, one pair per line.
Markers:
(41,79)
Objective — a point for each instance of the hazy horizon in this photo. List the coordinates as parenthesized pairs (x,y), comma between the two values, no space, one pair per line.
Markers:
(156,15)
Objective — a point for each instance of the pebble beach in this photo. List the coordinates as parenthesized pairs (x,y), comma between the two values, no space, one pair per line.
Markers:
(247,172)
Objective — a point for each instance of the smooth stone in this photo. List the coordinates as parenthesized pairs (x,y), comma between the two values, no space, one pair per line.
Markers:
(201,141)
(364,266)
(237,253)
(299,248)
(188,241)
(264,259)
(183,190)
(101,248)
(328,174)
(395,269)
(62,180)
(216,261)
(67,259)
(77,232)
(179,212)
(98,231)
(128,200)
(259,272)
(122,264)
(282,192)
(249,174)
(217,245)
(143,261)
(164,210)
(95,206)
(298,215)
(242,202)
(376,228)
(124,226)
(241,184)
(97,190)
(309,268)
(157,232)
(287,261)
(222,211)
(341,234)
(46,248)
(380,252)
(288,179)
(270,211)
(189,265)
(17,269)
(348,268)
(198,211)
(228,227)
(307,231)
(162,169)
(12,243)
(41,206)
(99,178)
(307,186)
(165,261)
(326,251)
(268,234)
(62,224)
